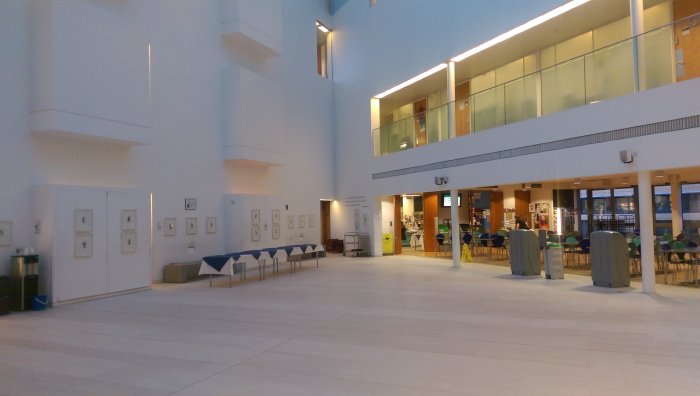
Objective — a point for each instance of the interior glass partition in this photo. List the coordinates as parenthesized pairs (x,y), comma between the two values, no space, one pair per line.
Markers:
(604,73)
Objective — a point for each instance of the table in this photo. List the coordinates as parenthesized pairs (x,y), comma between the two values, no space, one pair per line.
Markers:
(478,243)
(230,263)
(572,250)
(694,253)
(417,240)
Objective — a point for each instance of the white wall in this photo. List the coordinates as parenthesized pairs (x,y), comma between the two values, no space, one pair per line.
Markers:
(184,158)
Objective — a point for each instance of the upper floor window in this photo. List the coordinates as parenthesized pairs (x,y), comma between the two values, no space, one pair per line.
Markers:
(322,52)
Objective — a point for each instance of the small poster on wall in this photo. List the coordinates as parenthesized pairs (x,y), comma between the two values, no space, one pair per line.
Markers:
(170,226)
(290,222)
(191,225)
(82,220)
(128,242)
(82,246)
(255,217)
(275,216)
(5,233)
(275,231)
(302,221)
(255,233)
(128,219)
(312,221)
(211,225)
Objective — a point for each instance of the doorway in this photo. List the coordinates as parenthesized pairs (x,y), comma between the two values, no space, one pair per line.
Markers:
(325,223)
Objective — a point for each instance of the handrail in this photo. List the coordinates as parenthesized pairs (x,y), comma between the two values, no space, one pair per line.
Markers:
(382,148)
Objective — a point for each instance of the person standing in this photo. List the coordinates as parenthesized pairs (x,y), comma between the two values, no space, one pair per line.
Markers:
(520,223)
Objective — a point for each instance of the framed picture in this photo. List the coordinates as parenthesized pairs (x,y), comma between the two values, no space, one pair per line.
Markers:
(302,221)
(275,216)
(82,246)
(290,222)
(5,233)
(190,203)
(312,221)
(82,220)
(531,207)
(191,225)
(128,242)
(275,231)
(211,225)
(170,226)
(255,233)
(255,217)
(129,220)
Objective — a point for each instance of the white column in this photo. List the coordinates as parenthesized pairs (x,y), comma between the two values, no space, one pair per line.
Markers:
(646,228)
(456,233)
(637,28)
(452,130)
(676,208)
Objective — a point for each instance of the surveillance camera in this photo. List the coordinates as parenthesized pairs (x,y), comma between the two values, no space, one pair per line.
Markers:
(626,157)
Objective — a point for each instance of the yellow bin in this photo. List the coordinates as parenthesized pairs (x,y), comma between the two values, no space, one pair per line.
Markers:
(387,244)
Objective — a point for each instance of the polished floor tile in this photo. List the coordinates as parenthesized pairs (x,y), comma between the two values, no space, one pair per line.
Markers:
(396,325)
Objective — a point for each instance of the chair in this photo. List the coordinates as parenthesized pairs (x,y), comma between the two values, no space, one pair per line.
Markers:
(467,238)
(441,245)
(484,239)
(499,243)
(633,254)
(681,258)
(570,245)
(584,247)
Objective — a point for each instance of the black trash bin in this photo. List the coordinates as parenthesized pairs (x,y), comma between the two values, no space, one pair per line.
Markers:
(4,295)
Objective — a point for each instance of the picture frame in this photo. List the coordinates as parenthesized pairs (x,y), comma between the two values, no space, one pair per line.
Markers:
(5,233)
(211,225)
(170,226)
(190,203)
(311,221)
(129,244)
(302,221)
(290,222)
(255,233)
(128,220)
(275,216)
(275,231)
(191,225)
(82,220)
(255,217)
(82,245)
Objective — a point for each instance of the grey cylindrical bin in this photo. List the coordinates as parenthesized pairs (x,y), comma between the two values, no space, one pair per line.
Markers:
(609,261)
(554,262)
(524,253)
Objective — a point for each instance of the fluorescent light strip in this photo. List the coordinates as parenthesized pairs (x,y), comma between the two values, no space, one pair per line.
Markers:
(413,80)
(526,26)
(321,27)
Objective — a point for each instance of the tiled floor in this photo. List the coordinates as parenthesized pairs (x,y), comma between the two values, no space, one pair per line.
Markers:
(397,325)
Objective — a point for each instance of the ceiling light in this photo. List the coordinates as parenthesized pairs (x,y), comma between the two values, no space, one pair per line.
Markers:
(625,181)
(526,26)
(659,174)
(413,80)
(321,27)
(578,181)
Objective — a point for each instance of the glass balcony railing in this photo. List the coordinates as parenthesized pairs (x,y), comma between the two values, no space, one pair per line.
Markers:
(417,130)
(602,74)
